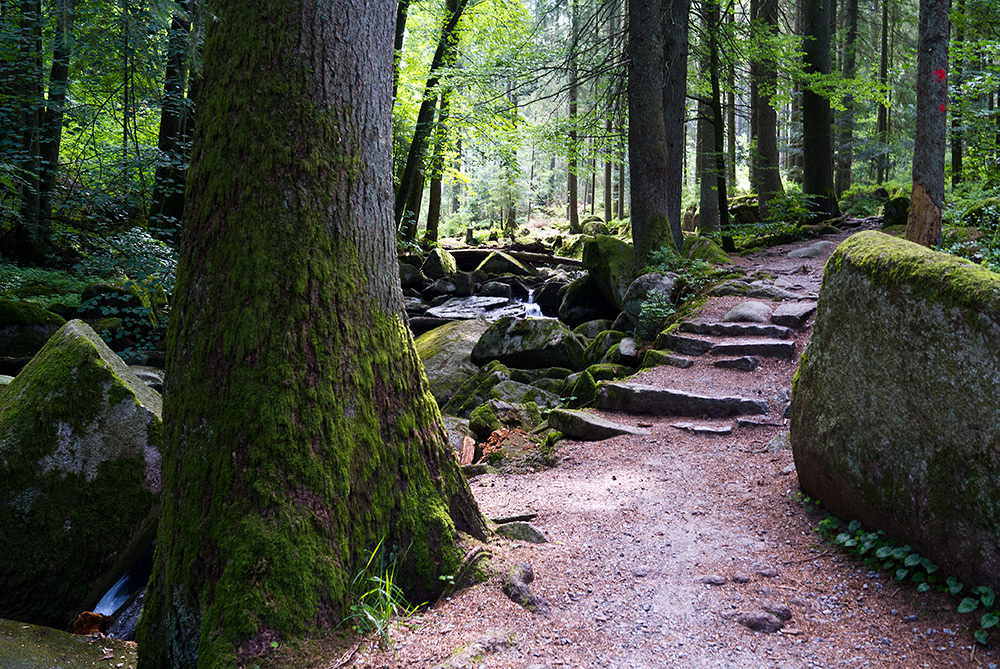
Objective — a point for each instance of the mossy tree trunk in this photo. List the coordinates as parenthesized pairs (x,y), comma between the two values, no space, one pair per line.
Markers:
(923,225)
(299,427)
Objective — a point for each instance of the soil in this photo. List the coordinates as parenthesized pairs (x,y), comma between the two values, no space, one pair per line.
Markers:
(657,544)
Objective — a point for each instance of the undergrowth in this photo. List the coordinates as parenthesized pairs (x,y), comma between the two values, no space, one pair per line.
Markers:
(880,552)
(378,603)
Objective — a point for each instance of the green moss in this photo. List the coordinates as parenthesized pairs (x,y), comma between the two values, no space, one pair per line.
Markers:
(584,391)
(483,420)
(601,344)
(605,371)
(930,275)
(702,248)
(476,390)
(611,263)
(13,312)
(24,646)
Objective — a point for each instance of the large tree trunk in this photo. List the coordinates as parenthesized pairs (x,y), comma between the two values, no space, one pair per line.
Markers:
(708,199)
(402,9)
(167,205)
(845,149)
(675,53)
(718,160)
(572,166)
(817,139)
(647,142)
(957,149)
(52,118)
(768,158)
(923,225)
(299,430)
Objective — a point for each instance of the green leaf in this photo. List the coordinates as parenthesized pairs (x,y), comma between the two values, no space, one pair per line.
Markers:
(986,596)
(912,560)
(883,552)
(982,636)
(841,538)
(900,553)
(968,604)
(853,526)
(901,574)
(923,587)
(928,565)
(954,585)
(989,620)
(919,577)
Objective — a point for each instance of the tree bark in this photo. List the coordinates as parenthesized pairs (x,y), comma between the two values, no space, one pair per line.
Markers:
(675,52)
(708,200)
(299,431)
(817,139)
(845,149)
(52,117)
(882,122)
(923,225)
(402,9)
(768,157)
(647,142)
(168,183)
(718,157)
(957,148)
(572,167)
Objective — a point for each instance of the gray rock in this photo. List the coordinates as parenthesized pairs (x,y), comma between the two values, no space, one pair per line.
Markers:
(639,398)
(587,426)
(626,352)
(736,330)
(894,409)
(476,390)
(591,329)
(768,291)
(681,344)
(765,348)
(457,429)
(759,621)
(744,363)
(712,579)
(779,610)
(24,329)
(446,353)
(75,421)
(5,381)
(522,531)
(655,358)
(602,343)
(522,393)
(793,314)
(495,289)
(439,287)
(583,302)
(410,276)
(471,655)
(439,264)
(703,428)
(549,296)
(516,588)
(422,324)
(465,308)
(610,263)
(813,250)
(151,376)
(648,287)
(780,442)
(748,312)
(730,288)
(530,343)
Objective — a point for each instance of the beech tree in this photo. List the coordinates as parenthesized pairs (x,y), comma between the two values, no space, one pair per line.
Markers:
(923,225)
(299,429)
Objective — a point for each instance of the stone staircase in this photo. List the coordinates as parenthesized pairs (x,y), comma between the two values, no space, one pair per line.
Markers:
(722,344)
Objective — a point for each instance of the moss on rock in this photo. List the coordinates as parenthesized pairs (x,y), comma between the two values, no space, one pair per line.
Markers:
(611,264)
(80,468)
(702,248)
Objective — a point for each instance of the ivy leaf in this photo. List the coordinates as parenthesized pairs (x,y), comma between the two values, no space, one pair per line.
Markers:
(986,596)
(954,585)
(883,552)
(912,560)
(901,574)
(968,604)
(982,636)
(923,587)
(989,620)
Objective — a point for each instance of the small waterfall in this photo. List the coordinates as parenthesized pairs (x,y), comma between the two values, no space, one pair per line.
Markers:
(115,597)
(532,310)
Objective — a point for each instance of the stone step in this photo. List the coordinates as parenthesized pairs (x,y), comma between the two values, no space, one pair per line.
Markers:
(767,348)
(703,428)
(641,398)
(737,330)
(744,363)
(681,344)
(793,314)
(587,426)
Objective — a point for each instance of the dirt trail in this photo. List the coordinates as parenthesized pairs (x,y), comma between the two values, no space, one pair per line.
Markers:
(636,524)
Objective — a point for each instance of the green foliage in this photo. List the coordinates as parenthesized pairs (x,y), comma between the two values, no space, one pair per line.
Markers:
(655,309)
(43,286)
(880,552)
(377,602)
(866,199)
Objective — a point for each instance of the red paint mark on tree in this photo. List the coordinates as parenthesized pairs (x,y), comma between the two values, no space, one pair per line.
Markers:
(942,107)
(940,74)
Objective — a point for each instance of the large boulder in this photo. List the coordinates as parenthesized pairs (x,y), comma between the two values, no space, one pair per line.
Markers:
(894,407)
(611,263)
(23,646)
(582,302)
(655,292)
(439,264)
(446,354)
(529,343)
(79,475)
(476,390)
(24,329)
(500,263)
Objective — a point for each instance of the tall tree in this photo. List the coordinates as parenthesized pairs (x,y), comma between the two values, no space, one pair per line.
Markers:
(299,430)
(882,122)
(956,108)
(768,159)
(817,138)
(647,141)
(675,53)
(55,106)
(845,145)
(923,225)
(572,162)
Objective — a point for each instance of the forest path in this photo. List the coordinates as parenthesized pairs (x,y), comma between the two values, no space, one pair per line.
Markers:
(657,544)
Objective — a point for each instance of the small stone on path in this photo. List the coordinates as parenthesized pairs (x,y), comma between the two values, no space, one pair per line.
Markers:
(780,442)
(759,621)
(712,579)
(522,532)
(744,363)
(748,312)
(777,609)
(793,314)
(703,428)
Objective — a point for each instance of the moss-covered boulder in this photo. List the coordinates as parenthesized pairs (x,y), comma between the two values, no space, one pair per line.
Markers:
(648,301)
(582,302)
(439,264)
(24,329)
(446,354)
(496,413)
(611,264)
(522,393)
(895,211)
(500,263)
(476,390)
(894,407)
(79,476)
(601,344)
(529,343)
(702,248)
(32,646)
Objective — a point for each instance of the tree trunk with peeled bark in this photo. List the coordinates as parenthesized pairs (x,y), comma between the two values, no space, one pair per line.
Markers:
(923,225)
(299,429)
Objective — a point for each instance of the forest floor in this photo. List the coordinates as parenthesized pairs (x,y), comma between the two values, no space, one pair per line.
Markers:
(635,524)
